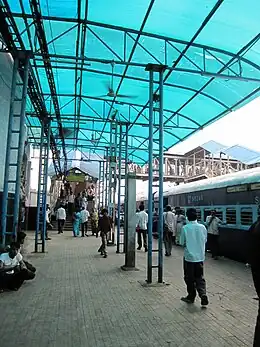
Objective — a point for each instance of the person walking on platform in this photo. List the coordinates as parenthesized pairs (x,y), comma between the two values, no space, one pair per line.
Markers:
(71,200)
(169,230)
(84,215)
(76,219)
(212,223)
(193,238)
(104,226)
(180,222)
(94,222)
(142,220)
(254,261)
(61,217)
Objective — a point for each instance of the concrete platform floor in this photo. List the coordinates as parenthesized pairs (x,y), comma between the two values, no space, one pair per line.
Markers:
(79,299)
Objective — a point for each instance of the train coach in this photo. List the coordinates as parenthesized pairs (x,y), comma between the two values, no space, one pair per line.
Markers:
(236,199)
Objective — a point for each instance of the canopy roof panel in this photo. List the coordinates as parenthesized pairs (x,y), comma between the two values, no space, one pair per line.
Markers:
(81,48)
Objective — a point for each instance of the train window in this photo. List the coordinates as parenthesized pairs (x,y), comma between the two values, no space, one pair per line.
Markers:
(198,214)
(231,216)
(246,216)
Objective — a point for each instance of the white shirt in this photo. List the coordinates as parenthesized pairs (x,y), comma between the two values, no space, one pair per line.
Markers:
(142,220)
(71,198)
(171,221)
(84,214)
(61,213)
(213,227)
(47,216)
(7,261)
(194,238)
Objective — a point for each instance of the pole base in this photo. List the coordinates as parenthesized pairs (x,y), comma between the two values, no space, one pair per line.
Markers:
(153,284)
(128,268)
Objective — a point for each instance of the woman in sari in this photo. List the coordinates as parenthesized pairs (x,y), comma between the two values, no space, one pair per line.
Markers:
(76,222)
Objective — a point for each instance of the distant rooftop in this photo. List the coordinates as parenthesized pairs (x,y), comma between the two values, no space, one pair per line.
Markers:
(245,155)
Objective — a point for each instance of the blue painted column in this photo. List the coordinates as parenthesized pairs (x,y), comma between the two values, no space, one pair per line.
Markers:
(8,153)
(150,183)
(38,212)
(21,148)
(161,173)
(119,187)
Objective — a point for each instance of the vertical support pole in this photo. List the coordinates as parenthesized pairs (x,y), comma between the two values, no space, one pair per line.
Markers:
(8,152)
(119,188)
(131,224)
(160,231)
(45,191)
(110,170)
(39,193)
(103,184)
(150,184)
(126,187)
(21,148)
(99,184)
(106,177)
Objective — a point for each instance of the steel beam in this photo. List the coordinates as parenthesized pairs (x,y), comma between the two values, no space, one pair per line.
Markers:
(136,32)
(37,16)
(13,42)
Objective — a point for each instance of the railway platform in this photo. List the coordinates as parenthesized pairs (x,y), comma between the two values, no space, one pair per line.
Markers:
(79,299)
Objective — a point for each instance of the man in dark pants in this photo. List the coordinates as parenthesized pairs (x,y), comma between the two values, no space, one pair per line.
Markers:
(142,220)
(254,260)
(13,271)
(193,238)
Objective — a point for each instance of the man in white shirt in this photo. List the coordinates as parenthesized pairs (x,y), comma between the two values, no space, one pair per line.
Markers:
(13,271)
(142,220)
(61,216)
(194,238)
(84,216)
(169,232)
(212,223)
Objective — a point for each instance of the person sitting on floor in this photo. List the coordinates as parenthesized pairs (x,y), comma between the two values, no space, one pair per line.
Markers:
(13,271)
(20,240)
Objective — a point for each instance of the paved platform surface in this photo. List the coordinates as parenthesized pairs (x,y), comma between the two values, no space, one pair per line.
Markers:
(79,299)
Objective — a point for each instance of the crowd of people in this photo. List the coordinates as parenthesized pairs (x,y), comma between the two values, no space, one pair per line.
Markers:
(196,238)
(75,208)
(185,231)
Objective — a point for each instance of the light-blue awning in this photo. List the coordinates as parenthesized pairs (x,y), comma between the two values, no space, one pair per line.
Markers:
(211,49)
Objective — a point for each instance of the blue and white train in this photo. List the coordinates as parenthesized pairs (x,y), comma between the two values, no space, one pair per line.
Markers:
(236,199)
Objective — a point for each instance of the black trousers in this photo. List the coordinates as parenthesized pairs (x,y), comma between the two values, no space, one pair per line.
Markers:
(213,245)
(256,278)
(61,223)
(15,281)
(142,234)
(84,229)
(168,242)
(29,266)
(194,279)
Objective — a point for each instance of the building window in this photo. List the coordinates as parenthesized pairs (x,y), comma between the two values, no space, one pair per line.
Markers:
(231,216)
(246,216)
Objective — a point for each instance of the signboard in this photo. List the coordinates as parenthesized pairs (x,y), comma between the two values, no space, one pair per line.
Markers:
(237,189)
(76,178)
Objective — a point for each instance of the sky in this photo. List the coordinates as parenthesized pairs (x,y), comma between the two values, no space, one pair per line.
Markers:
(239,127)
